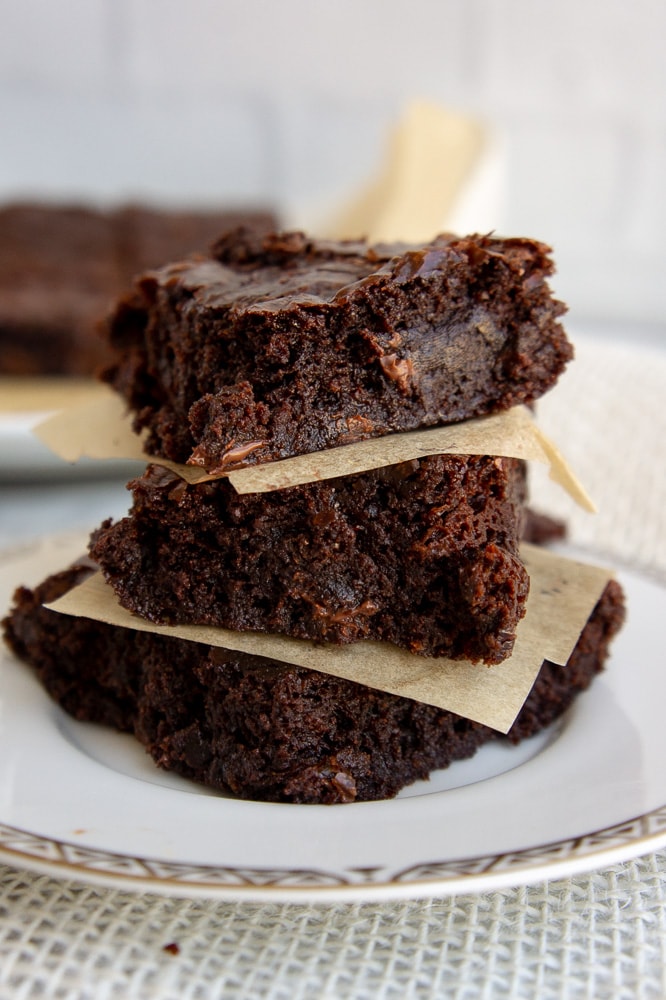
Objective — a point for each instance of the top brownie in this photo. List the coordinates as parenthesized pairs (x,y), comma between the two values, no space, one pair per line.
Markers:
(278,344)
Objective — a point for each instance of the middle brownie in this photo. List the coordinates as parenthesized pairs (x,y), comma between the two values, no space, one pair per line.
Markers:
(423,555)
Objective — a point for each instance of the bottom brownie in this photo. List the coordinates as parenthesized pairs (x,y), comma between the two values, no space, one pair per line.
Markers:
(262,729)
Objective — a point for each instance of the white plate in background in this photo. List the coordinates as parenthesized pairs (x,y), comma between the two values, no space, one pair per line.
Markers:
(26,402)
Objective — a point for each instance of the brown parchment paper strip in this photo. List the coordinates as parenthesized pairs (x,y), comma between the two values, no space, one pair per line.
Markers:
(102,430)
(562,596)
(512,434)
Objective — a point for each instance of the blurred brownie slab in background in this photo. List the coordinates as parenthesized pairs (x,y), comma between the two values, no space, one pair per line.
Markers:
(62,266)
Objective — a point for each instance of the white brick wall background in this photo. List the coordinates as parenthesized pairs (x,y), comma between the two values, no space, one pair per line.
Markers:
(289,102)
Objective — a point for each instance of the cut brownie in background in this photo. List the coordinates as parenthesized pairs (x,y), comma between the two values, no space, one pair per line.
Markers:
(263,729)
(61,268)
(542,529)
(279,345)
(148,237)
(423,555)
(58,274)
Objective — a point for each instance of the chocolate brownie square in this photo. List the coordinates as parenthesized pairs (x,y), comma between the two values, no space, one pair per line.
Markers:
(278,345)
(62,267)
(58,276)
(423,555)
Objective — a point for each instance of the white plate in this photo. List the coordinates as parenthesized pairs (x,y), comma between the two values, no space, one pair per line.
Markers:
(21,453)
(24,457)
(80,801)
(24,403)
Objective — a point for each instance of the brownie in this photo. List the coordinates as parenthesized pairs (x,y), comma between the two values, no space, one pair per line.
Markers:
(149,237)
(58,276)
(423,554)
(542,529)
(279,345)
(62,267)
(263,729)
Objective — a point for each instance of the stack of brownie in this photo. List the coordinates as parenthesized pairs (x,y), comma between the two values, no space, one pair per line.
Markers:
(62,266)
(275,346)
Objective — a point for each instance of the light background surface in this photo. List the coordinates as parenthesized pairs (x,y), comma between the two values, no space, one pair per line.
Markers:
(290,102)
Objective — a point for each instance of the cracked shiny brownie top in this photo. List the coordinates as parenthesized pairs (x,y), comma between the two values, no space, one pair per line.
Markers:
(278,344)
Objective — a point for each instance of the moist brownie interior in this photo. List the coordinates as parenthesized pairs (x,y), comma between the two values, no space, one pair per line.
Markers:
(423,554)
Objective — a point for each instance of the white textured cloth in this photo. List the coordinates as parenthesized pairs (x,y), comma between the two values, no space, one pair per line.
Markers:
(601,937)
(595,936)
(608,416)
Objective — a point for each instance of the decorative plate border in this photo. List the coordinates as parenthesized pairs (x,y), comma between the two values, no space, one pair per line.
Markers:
(615,843)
